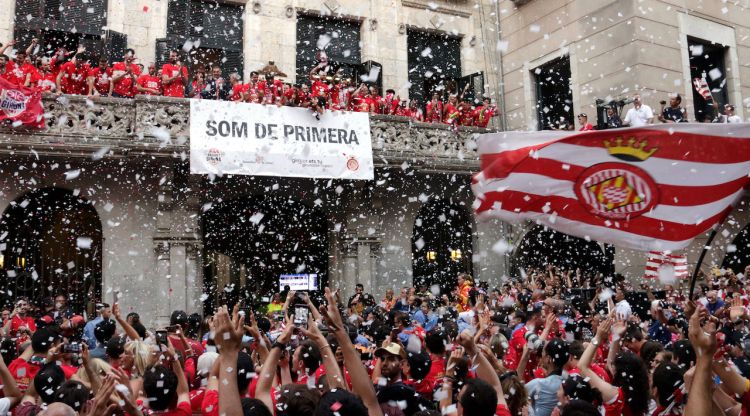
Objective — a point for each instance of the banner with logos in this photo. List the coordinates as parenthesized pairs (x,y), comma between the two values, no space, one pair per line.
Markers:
(252,139)
(22,106)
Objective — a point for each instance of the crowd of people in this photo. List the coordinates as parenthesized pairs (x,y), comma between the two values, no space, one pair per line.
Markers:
(79,73)
(557,342)
(642,114)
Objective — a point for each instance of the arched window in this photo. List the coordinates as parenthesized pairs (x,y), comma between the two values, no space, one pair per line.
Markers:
(250,242)
(51,242)
(441,244)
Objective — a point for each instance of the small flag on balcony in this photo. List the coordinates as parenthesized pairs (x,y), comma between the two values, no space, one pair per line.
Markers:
(660,263)
(648,188)
(21,106)
(701,86)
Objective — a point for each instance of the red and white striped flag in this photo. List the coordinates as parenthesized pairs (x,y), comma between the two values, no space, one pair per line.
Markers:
(648,188)
(658,262)
(701,86)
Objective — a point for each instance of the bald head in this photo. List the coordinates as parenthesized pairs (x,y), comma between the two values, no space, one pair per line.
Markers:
(58,409)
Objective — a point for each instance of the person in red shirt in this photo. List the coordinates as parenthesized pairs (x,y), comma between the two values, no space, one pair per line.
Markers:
(484,113)
(360,101)
(254,85)
(149,83)
(376,101)
(19,71)
(238,88)
(124,75)
(19,320)
(434,110)
(450,111)
(46,80)
(100,79)
(174,76)
(390,102)
(73,76)
(583,120)
(466,113)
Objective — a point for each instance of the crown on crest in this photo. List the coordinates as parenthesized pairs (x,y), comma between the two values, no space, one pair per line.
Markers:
(633,150)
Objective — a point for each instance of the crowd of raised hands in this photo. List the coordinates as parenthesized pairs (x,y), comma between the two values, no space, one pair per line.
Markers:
(533,346)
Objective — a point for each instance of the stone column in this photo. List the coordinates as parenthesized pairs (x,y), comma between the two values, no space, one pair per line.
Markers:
(162,285)
(194,277)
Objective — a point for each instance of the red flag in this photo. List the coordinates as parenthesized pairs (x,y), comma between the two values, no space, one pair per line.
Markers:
(21,105)
(701,86)
(660,260)
(649,188)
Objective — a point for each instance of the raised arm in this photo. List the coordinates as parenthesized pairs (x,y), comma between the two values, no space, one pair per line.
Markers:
(485,371)
(228,338)
(10,388)
(268,371)
(361,384)
(699,396)
(607,390)
(126,327)
(333,372)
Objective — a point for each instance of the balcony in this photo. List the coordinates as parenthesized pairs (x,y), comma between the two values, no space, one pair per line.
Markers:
(160,127)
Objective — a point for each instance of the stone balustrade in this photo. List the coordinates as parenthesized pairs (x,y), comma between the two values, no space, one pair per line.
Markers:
(161,126)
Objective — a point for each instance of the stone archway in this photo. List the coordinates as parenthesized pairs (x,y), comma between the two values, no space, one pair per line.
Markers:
(441,243)
(541,246)
(51,242)
(249,242)
(738,257)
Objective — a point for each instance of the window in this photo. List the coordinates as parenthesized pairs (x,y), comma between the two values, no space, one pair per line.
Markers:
(434,61)
(554,98)
(337,38)
(707,62)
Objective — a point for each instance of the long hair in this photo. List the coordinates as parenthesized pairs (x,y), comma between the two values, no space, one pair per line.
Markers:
(632,377)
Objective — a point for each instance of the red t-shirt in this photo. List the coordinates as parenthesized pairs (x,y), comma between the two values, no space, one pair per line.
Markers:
(482,116)
(151,82)
(451,113)
(46,82)
(196,399)
(617,406)
(319,88)
(125,86)
(502,410)
(238,91)
(197,347)
(428,384)
(73,79)
(102,78)
(360,104)
(434,113)
(17,322)
(17,74)
(182,409)
(177,87)
(466,116)
(23,372)
(587,127)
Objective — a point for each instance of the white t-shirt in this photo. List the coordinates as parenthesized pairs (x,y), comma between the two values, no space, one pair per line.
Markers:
(638,117)
(4,406)
(734,119)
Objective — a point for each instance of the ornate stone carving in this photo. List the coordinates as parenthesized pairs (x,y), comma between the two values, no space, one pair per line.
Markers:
(76,120)
(80,116)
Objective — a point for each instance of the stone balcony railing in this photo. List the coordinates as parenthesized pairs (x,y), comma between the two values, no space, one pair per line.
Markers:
(160,126)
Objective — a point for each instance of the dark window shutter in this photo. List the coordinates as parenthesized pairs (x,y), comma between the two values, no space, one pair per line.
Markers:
(26,9)
(162,52)
(115,44)
(476,86)
(232,62)
(178,18)
(23,36)
(94,47)
(221,25)
(342,46)
(86,18)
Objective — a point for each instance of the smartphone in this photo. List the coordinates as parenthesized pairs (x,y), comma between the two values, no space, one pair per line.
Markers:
(73,347)
(161,337)
(300,315)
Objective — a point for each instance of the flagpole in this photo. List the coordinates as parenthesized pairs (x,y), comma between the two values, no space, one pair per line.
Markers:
(706,247)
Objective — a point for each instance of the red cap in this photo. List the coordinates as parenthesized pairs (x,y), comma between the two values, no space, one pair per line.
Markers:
(77,320)
(47,319)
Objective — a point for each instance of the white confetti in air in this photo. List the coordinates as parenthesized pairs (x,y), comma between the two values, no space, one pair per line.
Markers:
(323,41)
(605,295)
(667,274)
(84,243)
(99,154)
(715,74)
(72,174)
(419,244)
(502,247)
(255,219)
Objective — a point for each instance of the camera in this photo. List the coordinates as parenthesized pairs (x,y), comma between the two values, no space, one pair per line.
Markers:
(161,337)
(534,342)
(662,102)
(73,347)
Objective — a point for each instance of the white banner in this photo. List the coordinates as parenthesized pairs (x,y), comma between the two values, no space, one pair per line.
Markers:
(252,139)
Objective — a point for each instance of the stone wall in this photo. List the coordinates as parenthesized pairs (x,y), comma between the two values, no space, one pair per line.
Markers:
(618,47)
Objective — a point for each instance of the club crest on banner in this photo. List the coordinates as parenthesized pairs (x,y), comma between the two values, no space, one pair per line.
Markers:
(13,102)
(616,190)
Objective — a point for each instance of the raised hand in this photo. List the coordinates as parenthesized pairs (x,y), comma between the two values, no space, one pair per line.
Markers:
(229,331)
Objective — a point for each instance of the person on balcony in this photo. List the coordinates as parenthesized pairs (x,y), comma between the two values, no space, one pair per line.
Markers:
(124,76)
(100,79)
(73,76)
(217,87)
(174,76)
(149,83)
